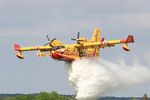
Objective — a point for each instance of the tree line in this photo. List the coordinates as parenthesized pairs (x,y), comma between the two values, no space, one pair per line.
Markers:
(40,96)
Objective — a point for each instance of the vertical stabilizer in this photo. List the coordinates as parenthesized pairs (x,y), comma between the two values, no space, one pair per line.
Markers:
(96,38)
(96,35)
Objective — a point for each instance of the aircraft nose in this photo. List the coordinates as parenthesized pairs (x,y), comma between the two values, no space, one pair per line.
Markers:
(55,55)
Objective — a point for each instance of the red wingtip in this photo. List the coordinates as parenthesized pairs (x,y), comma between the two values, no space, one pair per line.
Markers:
(16,47)
(130,39)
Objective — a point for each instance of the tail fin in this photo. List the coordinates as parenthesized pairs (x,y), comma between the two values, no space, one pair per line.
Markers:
(96,38)
(96,35)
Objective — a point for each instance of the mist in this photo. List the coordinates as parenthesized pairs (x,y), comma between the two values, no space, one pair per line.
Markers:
(96,77)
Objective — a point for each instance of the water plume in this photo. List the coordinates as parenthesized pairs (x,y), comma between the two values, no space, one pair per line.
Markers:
(92,78)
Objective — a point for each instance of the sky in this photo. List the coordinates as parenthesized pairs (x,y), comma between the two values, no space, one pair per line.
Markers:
(28,22)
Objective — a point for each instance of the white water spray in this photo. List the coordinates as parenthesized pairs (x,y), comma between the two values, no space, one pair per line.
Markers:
(95,77)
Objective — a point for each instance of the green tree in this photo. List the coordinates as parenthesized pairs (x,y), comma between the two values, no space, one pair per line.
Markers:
(50,96)
(145,97)
(25,97)
(42,96)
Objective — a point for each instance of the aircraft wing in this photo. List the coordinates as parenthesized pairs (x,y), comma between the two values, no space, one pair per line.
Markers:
(109,43)
(20,49)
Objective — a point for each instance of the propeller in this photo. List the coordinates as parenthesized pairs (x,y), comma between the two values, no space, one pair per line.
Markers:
(47,37)
(49,41)
(50,44)
(77,39)
(78,42)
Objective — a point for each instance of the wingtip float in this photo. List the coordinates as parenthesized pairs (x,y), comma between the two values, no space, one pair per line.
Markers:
(19,53)
(130,39)
(82,48)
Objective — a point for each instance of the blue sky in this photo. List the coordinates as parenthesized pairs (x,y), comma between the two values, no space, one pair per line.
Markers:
(28,22)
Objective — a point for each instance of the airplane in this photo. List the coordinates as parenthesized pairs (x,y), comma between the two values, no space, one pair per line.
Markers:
(83,48)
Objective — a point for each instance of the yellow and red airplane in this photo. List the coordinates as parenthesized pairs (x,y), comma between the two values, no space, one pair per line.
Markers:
(70,52)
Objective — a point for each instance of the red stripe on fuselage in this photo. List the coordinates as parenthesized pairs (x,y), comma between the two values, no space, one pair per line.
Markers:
(59,56)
